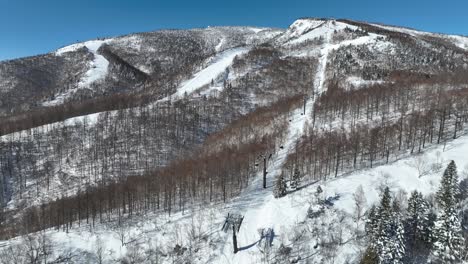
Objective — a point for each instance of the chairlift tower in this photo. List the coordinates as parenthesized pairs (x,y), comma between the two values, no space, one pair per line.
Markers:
(233,222)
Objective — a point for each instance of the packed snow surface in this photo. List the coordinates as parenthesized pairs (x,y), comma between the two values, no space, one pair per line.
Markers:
(323,29)
(300,27)
(97,69)
(204,77)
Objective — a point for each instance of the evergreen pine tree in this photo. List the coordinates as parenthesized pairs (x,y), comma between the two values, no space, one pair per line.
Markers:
(397,236)
(418,227)
(449,188)
(372,223)
(382,238)
(448,239)
(449,242)
(296,179)
(386,232)
(280,187)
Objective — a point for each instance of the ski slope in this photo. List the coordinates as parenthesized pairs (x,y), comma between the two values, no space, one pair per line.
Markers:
(264,211)
(323,30)
(204,77)
(97,69)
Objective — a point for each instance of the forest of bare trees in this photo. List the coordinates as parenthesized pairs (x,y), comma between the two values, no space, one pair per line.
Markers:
(215,172)
(361,128)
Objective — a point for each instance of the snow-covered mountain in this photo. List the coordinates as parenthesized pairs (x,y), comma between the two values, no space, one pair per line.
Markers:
(142,144)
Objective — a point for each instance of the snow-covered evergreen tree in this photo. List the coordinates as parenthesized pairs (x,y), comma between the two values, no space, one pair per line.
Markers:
(296,179)
(386,232)
(448,239)
(397,236)
(449,188)
(383,235)
(418,226)
(280,187)
(449,242)
(372,223)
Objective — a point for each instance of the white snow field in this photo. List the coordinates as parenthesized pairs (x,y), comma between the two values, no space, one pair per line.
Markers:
(217,66)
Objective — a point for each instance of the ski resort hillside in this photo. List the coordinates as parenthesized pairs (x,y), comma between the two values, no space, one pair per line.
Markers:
(306,225)
(330,141)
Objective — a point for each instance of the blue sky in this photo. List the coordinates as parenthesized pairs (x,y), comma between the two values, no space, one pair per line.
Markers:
(29,27)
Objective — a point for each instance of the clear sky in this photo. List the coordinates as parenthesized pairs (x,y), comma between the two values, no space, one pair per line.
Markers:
(29,27)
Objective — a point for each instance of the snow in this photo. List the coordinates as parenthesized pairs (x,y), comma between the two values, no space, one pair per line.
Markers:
(262,210)
(258,206)
(359,82)
(408,31)
(372,40)
(220,44)
(219,64)
(323,60)
(97,69)
(323,29)
(459,41)
(216,67)
(326,31)
(301,26)
(283,214)
(268,212)
(257,30)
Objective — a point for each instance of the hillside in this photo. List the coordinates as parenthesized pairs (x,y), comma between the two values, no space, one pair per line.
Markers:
(147,141)
(198,230)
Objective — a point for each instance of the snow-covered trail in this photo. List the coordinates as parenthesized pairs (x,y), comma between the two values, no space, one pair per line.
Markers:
(204,77)
(97,70)
(99,66)
(258,206)
(323,61)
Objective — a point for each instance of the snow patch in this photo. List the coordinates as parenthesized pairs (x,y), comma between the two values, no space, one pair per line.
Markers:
(459,41)
(359,82)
